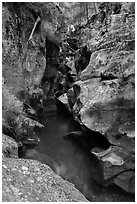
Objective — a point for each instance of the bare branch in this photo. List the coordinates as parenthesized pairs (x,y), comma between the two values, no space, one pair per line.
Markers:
(38,19)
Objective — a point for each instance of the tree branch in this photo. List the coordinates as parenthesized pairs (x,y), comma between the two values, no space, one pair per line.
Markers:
(38,19)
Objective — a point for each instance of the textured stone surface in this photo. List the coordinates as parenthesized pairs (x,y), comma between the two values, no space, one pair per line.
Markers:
(23,61)
(107,97)
(9,147)
(28,180)
(31,181)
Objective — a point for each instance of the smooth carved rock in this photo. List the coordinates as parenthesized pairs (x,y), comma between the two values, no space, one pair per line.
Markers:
(108,95)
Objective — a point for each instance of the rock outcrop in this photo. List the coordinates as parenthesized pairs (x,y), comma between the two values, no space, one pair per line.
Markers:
(31,181)
(106,102)
(9,147)
(23,59)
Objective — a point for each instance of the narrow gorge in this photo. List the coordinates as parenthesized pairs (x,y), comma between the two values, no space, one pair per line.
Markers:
(68,101)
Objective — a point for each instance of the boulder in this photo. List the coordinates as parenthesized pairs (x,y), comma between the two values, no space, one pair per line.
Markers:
(107,98)
(9,147)
(31,181)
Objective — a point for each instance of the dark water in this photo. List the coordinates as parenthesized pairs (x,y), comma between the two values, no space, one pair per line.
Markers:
(76,164)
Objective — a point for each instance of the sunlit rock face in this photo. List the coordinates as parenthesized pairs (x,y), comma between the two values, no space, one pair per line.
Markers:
(23,60)
(107,94)
(107,84)
(35,182)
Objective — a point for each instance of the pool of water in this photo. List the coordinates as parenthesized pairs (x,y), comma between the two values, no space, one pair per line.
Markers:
(76,163)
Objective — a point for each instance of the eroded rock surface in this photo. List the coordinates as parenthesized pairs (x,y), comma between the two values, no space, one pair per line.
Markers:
(25,58)
(9,147)
(106,102)
(31,181)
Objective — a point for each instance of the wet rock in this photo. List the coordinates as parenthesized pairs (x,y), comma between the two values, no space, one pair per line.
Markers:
(31,181)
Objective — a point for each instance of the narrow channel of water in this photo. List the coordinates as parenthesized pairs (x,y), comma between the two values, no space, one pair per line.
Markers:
(78,166)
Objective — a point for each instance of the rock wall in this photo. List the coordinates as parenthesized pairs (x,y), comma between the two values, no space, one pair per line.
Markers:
(30,55)
(23,61)
(106,102)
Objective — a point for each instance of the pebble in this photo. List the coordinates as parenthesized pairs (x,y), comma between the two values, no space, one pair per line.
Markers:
(24,168)
(39,179)
(4,166)
(31,181)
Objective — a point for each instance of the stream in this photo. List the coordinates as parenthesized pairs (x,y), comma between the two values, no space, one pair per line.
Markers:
(75,163)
